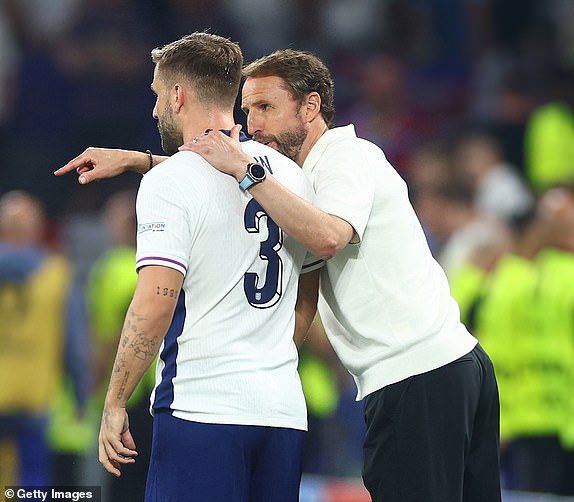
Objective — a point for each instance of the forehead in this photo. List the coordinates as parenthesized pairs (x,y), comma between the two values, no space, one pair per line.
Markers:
(155,79)
(158,77)
(271,89)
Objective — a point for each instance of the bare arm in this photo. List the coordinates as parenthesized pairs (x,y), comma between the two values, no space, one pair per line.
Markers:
(148,318)
(321,233)
(99,163)
(306,306)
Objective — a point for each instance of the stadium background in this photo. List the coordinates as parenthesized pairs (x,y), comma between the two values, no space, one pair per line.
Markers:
(415,76)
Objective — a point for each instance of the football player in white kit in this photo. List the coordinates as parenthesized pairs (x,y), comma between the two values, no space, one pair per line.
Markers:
(216,293)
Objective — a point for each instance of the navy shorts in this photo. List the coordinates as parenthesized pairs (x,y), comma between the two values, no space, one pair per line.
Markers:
(434,437)
(199,462)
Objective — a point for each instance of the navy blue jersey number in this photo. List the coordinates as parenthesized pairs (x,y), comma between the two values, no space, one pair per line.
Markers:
(269,293)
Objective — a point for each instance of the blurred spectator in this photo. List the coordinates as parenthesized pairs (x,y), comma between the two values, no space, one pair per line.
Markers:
(549,142)
(459,232)
(430,169)
(42,337)
(110,288)
(556,264)
(430,166)
(521,312)
(498,190)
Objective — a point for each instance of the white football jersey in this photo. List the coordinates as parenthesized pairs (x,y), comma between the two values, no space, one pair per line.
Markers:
(228,356)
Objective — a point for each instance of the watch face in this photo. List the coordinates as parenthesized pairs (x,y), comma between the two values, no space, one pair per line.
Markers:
(257,172)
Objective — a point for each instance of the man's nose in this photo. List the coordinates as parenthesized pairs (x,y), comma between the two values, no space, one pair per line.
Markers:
(253,125)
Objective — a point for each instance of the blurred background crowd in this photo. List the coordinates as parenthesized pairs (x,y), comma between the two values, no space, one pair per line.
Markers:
(472,102)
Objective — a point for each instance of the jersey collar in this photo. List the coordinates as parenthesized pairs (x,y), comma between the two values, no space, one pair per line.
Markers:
(242,135)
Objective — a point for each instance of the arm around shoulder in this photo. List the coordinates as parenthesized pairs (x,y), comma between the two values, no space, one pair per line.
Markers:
(99,163)
(323,234)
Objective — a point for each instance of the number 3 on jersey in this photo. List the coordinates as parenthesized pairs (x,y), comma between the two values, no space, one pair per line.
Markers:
(270,292)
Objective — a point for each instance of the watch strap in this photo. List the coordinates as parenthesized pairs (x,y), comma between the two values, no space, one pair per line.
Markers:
(246,182)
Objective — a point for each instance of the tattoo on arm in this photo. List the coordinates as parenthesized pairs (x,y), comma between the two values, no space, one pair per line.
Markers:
(120,364)
(139,341)
(144,348)
(135,338)
(122,389)
(106,416)
(172,293)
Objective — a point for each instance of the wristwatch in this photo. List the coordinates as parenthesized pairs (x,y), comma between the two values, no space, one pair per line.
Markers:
(255,174)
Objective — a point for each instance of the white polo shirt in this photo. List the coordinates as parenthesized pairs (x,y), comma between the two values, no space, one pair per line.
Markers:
(384,301)
(229,355)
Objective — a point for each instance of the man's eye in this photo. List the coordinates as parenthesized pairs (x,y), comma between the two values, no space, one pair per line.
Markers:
(264,107)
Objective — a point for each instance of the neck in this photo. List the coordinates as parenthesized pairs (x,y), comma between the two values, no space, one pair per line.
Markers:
(317,128)
(214,119)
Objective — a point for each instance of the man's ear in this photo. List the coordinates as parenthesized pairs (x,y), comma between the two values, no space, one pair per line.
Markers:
(178,93)
(313,106)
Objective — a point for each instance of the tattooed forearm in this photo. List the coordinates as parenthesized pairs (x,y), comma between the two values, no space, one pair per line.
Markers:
(135,317)
(134,337)
(120,364)
(144,348)
(146,323)
(122,389)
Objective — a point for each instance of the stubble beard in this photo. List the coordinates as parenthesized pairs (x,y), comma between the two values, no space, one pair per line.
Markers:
(171,138)
(289,143)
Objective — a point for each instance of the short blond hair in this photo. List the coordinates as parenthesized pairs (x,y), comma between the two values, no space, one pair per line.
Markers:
(211,63)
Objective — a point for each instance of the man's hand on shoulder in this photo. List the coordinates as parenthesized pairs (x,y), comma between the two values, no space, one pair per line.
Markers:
(222,151)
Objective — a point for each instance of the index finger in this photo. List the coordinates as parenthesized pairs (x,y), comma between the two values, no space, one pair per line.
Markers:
(81,160)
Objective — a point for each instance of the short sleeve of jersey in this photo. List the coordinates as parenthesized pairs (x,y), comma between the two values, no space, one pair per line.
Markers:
(311,263)
(163,232)
(343,186)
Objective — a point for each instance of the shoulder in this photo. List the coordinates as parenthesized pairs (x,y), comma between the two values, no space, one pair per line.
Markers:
(338,145)
(183,171)
(340,148)
(176,165)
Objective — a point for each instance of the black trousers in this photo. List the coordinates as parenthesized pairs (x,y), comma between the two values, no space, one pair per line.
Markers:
(435,437)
